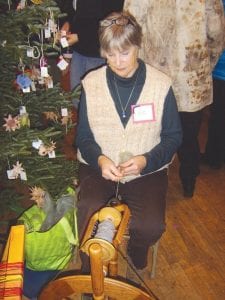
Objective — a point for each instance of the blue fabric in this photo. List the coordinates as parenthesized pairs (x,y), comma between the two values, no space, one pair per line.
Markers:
(80,65)
(34,281)
(219,70)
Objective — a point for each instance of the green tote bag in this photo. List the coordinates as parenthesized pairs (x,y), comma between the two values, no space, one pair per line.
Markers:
(51,249)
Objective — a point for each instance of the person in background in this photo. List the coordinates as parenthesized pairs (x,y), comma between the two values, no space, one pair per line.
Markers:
(127,141)
(82,36)
(214,154)
(184,39)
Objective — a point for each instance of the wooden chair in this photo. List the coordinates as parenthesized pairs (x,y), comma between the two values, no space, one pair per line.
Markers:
(154,249)
(103,281)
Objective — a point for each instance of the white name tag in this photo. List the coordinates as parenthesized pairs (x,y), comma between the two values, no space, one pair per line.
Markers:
(143,113)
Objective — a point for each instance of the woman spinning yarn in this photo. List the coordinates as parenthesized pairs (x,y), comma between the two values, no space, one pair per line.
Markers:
(128,132)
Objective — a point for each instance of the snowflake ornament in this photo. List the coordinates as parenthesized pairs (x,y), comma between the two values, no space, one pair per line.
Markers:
(51,147)
(11,124)
(17,169)
(37,195)
(44,150)
(50,115)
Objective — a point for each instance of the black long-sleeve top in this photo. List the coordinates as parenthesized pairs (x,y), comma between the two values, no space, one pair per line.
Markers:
(171,133)
(86,22)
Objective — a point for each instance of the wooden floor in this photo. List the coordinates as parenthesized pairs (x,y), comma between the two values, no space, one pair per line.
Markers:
(191,255)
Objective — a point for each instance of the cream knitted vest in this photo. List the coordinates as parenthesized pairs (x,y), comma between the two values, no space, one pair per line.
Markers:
(104,121)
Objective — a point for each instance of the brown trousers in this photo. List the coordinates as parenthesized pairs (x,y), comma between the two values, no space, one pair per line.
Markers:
(145,197)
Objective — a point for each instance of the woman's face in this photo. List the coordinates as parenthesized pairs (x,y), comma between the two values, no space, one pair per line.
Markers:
(123,63)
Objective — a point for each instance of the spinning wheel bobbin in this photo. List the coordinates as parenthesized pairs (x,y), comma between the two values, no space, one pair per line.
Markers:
(113,216)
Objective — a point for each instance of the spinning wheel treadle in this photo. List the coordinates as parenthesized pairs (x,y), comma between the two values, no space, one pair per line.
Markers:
(103,259)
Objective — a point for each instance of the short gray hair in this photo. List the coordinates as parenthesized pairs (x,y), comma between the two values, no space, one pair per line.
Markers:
(119,30)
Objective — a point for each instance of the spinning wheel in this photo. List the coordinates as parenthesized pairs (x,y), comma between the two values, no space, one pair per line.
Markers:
(103,260)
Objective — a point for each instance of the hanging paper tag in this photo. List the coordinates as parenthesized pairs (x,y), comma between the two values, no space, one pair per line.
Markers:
(22,110)
(23,175)
(62,64)
(26,90)
(52,25)
(47,33)
(64,112)
(44,72)
(64,42)
(54,28)
(51,154)
(37,143)
(10,174)
(30,52)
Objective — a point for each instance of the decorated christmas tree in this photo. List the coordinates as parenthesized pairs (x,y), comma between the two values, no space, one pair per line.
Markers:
(35,112)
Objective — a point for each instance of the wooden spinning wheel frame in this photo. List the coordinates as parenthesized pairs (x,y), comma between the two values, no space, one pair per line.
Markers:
(103,259)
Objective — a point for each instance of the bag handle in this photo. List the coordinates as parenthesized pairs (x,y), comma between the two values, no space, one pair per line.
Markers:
(68,230)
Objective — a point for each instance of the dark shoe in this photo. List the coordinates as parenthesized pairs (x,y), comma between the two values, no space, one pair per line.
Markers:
(188,188)
(203,159)
(213,164)
(188,192)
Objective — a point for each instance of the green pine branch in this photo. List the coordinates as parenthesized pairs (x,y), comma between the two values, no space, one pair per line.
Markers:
(19,30)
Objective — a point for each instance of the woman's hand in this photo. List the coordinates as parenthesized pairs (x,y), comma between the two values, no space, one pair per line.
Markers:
(109,169)
(62,32)
(72,38)
(133,166)
(65,27)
